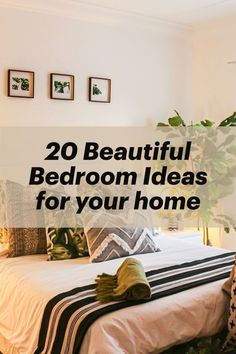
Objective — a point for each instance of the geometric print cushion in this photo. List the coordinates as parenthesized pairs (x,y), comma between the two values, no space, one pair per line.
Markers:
(230,343)
(66,243)
(228,284)
(114,242)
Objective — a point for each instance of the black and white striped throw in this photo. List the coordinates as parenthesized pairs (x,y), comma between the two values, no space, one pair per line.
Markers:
(67,316)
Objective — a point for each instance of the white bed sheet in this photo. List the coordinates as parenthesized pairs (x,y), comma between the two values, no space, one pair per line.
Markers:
(28,283)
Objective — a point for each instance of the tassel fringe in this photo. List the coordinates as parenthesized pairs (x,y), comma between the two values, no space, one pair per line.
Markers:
(106,284)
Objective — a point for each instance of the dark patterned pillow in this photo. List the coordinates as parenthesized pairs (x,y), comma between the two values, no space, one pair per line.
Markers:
(66,243)
(230,343)
(114,242)
(26,241)
(228,284)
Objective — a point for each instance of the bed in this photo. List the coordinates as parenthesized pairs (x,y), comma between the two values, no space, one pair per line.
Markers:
(28,283)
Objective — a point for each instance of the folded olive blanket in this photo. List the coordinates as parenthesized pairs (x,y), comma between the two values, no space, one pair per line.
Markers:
(129,283)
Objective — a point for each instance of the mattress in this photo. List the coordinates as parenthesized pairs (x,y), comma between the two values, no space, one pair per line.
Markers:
(28,283)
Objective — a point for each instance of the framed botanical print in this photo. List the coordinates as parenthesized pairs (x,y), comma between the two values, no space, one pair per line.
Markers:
(20,83)
(62,86)
(99,90)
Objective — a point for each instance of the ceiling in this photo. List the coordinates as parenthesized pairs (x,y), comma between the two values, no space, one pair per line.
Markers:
(190,12)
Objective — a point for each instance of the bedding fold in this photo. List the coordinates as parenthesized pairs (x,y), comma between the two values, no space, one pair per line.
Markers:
(129,283)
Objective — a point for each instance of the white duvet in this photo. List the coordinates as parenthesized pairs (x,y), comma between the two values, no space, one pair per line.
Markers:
(28,283)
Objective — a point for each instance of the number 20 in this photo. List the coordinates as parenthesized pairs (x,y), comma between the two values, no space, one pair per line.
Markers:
(68,151)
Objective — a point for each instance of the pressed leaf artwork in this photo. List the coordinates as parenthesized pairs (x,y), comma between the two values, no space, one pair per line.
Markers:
(99,90)
(20,83)
(96,90)
(62,87)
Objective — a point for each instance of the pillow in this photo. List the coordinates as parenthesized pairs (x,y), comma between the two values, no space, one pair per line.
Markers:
(4,241)
(3,251)
(16,208)
(66,243)
(4,235)
(230,342)
(228,284)
(26,241)
(114,242)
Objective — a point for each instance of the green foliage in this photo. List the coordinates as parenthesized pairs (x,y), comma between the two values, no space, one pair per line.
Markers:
(16,79)
(218,159)
(177,121)
(20,82)
(24,84)
(96,90)
(209,345)
(162,125)
(60,86)
(207,123)
(230,121)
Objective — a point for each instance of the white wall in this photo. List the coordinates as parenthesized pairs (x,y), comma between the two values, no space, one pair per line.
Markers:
(214,79)
(219,238)
(154,68)
(150,69)
(214,86)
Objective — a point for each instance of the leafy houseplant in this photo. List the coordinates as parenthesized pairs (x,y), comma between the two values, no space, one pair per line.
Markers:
(218,161)
(177,121)
(209,345)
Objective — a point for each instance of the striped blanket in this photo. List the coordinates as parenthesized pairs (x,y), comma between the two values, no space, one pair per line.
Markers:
(67,316)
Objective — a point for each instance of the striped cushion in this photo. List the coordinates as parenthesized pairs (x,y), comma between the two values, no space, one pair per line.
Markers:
(114,242)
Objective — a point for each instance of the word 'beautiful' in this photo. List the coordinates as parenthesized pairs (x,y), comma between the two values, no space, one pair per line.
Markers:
(92,151)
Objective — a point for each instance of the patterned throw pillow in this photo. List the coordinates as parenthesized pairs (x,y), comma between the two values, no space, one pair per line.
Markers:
(26,241)
(66,243)
(23,240)
(114,242)
(4,234)
(228,284)
(230,343)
